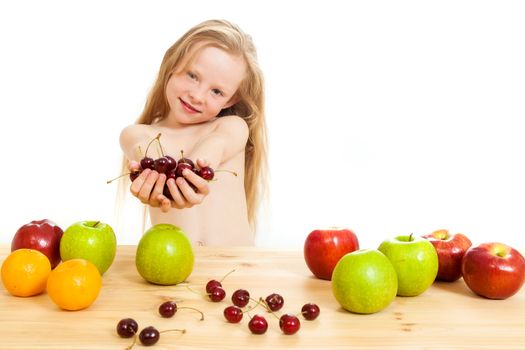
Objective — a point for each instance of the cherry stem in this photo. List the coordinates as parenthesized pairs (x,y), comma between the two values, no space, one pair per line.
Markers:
(226,171)
(173,330)
(196,292)
(192,308)
(226,275)
(149,144)
(268,307)
(160,145)
(118,177)
(134,341)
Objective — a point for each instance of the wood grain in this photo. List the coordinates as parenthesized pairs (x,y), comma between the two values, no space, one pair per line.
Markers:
(447,316)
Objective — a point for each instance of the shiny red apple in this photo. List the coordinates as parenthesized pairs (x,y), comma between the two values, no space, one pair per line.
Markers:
(493,270)
(450,249)
(42,235)
(324,247)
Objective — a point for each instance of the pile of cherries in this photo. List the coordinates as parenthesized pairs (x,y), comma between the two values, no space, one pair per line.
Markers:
(274,302)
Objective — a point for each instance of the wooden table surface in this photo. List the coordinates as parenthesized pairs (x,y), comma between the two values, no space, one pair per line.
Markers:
(447,316)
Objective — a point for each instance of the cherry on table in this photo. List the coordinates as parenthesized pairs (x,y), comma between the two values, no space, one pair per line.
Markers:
(212,284)
(217,294)
(258,325)
(127,327)
(233,314)
(274,301)
(240,297)
(310,311)
(289,324)
(149,336)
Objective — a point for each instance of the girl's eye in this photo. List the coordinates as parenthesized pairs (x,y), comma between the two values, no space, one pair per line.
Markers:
(216,92)
(191,75)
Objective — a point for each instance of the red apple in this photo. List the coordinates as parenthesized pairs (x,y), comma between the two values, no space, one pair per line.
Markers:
(493,270)
(42,235)
(450,249)
(324,247)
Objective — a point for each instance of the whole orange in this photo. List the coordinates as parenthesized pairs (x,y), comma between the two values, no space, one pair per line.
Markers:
(74,284)
(25,272)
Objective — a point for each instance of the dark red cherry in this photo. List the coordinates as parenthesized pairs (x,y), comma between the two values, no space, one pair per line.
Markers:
(181,167)
(258,325)
(217,294)
(172,163)
(147,163)
(274,301)
(233,314)
(161,165)
(206,173)
(149,336)
(134,175)
(289,324)
(212,284)
(127,327)
(240,297)
(167,309)
(310,311)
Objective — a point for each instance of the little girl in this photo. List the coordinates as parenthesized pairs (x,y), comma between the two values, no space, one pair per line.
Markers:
(208,101)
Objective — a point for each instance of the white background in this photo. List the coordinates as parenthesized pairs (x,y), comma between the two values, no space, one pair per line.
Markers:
(386,117)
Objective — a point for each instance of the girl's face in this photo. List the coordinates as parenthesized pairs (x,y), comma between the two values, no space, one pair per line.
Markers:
(205,86)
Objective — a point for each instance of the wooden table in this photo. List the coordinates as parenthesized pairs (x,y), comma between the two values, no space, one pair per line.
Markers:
(447,316)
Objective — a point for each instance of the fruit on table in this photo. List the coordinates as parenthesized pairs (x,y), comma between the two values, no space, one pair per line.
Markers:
(364,281)
(169,308)
(310,311)
(450,249)
(164,255)
(42,235)
(127,327)
(258,324)
(94,241)
(289,324)
(493,270)
(415,261)
(74,284)
(324,247)
(274,301)
(25,272)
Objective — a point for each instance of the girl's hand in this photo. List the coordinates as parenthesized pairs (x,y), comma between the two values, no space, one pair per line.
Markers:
(187,191)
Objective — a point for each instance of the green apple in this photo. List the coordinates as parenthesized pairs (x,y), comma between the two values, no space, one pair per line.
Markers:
(415,260)
(364,281)
(164,255)
(94,241)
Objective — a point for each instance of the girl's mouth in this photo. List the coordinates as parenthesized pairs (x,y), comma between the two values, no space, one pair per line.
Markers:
(189,108)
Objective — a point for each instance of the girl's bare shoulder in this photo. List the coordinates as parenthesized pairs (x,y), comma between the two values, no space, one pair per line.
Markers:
(136,134)
(233,125)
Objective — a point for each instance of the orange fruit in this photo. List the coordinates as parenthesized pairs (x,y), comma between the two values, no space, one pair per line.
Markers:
(25,272)
(74,284)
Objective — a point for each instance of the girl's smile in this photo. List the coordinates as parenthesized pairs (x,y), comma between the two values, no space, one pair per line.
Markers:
(188,107)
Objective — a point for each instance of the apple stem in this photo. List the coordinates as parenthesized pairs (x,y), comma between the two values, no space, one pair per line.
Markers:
(96,223)
(411,237)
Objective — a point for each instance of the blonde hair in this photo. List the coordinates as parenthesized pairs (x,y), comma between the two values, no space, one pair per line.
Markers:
(230,38)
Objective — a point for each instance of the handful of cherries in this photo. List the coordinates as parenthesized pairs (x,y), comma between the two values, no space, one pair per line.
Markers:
(172,168)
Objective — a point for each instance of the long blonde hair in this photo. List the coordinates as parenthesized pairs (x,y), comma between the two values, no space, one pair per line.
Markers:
(232,39)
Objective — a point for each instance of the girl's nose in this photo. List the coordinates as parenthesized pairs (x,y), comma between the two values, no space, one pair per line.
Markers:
(197,94)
